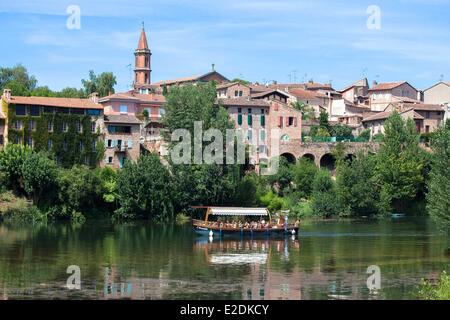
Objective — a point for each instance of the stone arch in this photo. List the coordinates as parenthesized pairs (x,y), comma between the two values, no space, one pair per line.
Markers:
(309,156)
(289,157)
(328,161)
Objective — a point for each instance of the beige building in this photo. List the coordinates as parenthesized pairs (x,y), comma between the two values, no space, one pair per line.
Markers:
(439,94)
(382,94)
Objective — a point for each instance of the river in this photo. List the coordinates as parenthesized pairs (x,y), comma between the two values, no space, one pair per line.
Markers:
(141,260)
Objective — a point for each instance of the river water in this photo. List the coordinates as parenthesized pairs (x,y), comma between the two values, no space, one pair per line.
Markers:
(329,260)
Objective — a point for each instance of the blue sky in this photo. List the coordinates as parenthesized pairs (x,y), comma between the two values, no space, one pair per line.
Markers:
(326,40)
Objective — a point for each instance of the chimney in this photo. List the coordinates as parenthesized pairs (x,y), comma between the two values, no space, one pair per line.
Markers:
(374,82)
(7,94)
(311,81)
(94,97)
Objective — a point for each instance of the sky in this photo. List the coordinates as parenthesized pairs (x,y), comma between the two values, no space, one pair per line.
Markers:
(258,40)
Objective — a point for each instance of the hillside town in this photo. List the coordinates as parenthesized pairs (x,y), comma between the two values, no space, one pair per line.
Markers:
(130,122)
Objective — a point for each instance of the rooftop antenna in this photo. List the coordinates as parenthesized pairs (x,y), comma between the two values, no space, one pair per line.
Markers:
(364,73)
(290,77)
(441,78)
(295,75)
(304,77)
(213,67)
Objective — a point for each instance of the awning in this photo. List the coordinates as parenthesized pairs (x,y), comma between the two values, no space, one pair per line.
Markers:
(222,211)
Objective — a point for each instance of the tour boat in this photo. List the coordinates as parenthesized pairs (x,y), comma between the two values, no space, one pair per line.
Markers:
(240,227)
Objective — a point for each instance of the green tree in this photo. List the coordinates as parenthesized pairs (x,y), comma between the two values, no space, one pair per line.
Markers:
(400,162)
(12,158)
(17,79)
(324,203)
(39,176)
(307,111)
(282,180)
(71,93)
(303,176)
(323,120)
(43,92)
(103,84)
(144,190)
(438,196)
(365,135)
(340,130)
(355,188)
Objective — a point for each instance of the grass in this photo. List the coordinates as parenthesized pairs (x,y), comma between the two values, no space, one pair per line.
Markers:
(435,290)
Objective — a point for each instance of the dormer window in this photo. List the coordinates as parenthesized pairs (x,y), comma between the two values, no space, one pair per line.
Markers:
(123,109)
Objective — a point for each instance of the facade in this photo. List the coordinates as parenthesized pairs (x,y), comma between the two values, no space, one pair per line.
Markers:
(382,94)
(207,77)
(439,94)
(69,128)
(427,117)
(142,68)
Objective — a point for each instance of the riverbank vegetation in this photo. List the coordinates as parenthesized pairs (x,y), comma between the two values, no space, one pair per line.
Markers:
(437,290)
(401,177)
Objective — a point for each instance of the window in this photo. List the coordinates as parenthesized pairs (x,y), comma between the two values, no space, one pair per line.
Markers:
(427,115)
(123,109)
(290,121)
(262,111)
(161,112)
(93,126)
(109,143)
(427,129)
(249,110)
(280,122)
(239,110)
(250,135)
(263,120)
(77,111)
(35,111)
(30,142)
(285,138)
(262,135)
(94,145)
(31,125)
(249,119)
(236,93)
(62,110)
(119,129)
(17,125)
(79,126)
(110,159)
(64,126)
(50,126)
(240,93)
(130,144)
(81,146)
(49,144)
(239,119)
(49,110)
(93,112)
(20,110)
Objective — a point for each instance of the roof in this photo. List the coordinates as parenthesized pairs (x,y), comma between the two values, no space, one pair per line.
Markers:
(388,86)
(244,102)
(142,44)
(440,82)
(426,107)
(227,85)
(137,97)
(306,94)
(187,79)
(56,102)
(233,211)
(265,93)
(122,118)
(385,114)
(359,83)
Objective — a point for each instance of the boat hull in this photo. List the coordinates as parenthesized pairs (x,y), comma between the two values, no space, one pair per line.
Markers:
(203,231)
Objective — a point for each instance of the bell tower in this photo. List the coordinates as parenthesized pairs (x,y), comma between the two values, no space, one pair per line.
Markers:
(142,64)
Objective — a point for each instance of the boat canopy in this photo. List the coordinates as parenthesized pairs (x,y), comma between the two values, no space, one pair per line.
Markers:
(232,211)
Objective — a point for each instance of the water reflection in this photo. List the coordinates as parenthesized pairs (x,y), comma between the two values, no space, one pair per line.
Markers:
(145,261)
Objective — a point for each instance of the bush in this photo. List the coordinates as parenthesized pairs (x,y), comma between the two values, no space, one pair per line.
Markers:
(23,211)
(181,219)
(324,202)
(364,135)
(435,291)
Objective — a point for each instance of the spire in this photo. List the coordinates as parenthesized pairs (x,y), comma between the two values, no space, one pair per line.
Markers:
(142,45)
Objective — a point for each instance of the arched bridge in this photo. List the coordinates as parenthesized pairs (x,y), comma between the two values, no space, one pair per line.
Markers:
(321,153)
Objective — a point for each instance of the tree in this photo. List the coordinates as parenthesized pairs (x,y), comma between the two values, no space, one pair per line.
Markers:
(17,79)
(324,202)
(103,84)
(198,183)
(43,92)
(241,81)
(438,196)
(12,158)
(144,190)
(303,176)
(39,175)
(307,111)
(71,93)
(355,188)
(400,162)
(283,178)
(323,120)
(340,130)
(364,135)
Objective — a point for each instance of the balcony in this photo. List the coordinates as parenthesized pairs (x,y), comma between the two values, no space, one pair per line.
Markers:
(121,148)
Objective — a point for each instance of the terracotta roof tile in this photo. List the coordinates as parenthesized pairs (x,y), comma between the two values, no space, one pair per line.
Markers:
(56,102)
(386,86)
(244,102)
(138,97)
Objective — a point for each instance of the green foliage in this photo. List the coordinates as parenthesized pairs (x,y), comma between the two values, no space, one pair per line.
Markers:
(241,81)
(103,84)
(39,175)
(181,219)
(324,202)
(435,291)
(12,158)
(144,190)
(365,134)
(355,186)
(438,196)
(304,172)
(399,169)
(282,180)
(323,120)
(378,137)
(341,130)
(307,111)
(273,202)
(245,195)
(17,79)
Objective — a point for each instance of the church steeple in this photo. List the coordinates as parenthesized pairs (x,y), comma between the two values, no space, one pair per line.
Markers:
(142,69)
